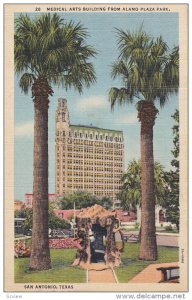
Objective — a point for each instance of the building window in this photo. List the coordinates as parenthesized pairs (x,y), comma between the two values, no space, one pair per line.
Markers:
(63,117)
(101,137)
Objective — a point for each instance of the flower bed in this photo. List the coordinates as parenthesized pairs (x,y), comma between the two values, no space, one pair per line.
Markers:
(21,249)
(65,243)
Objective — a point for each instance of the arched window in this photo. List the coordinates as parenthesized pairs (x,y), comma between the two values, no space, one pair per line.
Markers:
(161,216)
(63,117)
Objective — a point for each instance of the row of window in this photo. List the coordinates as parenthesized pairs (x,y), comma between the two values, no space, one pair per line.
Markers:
(96,182)
(98,188)
(96,156)
(95,170)
(81,161)
(96,136)
(79,142)
(88,177)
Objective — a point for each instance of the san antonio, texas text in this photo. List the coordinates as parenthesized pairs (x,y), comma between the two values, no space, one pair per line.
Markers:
(48,287)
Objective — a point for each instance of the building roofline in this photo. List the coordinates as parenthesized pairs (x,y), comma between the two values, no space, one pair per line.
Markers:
(95,127)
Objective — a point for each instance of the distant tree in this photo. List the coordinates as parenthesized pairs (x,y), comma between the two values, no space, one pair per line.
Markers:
(56,222)
(53,221)
(26,213)
(130,193)
(53,205)
(19,213)
(172,177)
(83,199)
(106,202)
(28,218)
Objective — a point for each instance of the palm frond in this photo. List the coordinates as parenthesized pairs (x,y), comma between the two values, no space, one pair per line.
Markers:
(26,82)
(119,96)
(52,48)
(146,67)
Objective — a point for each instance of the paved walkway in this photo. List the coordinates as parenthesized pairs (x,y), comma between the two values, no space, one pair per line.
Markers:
(104,276)
(164,239)
(150,273)
(168,240)
(99,273)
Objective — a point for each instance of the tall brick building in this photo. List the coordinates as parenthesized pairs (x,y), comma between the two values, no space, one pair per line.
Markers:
(87,158)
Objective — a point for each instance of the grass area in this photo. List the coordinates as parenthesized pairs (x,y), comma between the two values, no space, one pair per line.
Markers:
(61,271)
(167,229)
(131,265)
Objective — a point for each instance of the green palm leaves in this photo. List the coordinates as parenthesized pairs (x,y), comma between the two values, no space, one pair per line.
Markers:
(130,194)
(51,48)
(146,68)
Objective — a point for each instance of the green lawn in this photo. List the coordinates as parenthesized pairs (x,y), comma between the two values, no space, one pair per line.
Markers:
(131,265)
(61,271)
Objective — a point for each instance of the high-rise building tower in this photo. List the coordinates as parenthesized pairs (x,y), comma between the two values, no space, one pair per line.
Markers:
(87,158)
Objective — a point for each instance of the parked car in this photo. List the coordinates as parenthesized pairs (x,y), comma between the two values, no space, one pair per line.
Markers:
(28,232)
(61,233)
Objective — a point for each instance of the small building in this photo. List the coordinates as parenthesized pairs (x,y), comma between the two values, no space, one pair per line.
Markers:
(160,220)
(126,216)
(18,204)
(66,214)
(28,199)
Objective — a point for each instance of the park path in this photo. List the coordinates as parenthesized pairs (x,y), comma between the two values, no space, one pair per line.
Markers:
(100,273)
(163,239)
(102,276)
(150,273)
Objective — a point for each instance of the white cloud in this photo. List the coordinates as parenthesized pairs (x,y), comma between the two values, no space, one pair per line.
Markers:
(92,103)
(25,129)
(129,118)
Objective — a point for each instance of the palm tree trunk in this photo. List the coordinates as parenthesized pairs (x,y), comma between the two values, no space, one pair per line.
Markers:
(148,248)
(40,253)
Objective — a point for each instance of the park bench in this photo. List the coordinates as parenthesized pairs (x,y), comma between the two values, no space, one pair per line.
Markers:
(131,238)
(169,274)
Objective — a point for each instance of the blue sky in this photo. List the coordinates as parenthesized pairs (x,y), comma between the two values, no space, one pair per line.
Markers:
(92,107)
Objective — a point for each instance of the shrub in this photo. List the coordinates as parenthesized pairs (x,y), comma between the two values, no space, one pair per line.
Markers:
(21,249)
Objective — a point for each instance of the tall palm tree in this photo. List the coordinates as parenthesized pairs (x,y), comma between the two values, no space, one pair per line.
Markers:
(130,193)
(150,73)
(48,50)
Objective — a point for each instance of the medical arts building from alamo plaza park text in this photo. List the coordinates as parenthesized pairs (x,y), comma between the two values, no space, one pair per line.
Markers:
(88,158)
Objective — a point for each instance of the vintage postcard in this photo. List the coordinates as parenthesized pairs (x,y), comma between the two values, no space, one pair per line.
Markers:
(96,147)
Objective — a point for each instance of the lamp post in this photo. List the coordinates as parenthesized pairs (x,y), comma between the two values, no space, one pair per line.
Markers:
(74,217)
